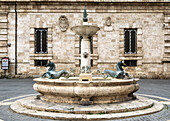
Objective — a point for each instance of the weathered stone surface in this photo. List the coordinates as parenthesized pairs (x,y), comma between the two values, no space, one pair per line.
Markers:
(35,104)
(33,107)
(99,91)
(108,44)
(87,77)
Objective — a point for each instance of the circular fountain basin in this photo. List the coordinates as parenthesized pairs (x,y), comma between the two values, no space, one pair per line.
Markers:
(71,91)
(85,30)
(98,91)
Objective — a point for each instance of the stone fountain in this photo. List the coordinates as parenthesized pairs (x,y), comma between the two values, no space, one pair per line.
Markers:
(85,97)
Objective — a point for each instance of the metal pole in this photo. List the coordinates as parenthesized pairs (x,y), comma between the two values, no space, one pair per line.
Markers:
(5,74)
(15,39)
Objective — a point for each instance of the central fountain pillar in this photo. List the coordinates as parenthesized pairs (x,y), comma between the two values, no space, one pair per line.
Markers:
(85,67)
(85,54)
(85,31)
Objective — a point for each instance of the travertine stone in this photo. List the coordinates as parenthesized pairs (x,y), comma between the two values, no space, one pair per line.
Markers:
(150,18)
(85,48)
(3,34)
(85,76)
(166,56)
(35,104)
(97,91)
(142,106)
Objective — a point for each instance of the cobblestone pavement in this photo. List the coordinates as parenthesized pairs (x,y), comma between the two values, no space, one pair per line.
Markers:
(14,89)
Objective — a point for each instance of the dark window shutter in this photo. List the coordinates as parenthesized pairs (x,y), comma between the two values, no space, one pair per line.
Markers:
(44,62)
(79,62)
(133,41)
(91,45)
(40,62)
(38,42)
(80,44)
(44,41)
(91,63)
(126,41)
(130,62)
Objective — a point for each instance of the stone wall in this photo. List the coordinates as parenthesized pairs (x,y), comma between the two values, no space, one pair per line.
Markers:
(3,36)
(150,19)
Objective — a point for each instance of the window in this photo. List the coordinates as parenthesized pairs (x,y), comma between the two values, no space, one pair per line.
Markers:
(130,62)
(79,63)
(40,62)
(80,44)
(41,41)
(91,44)
(130,41)
(91,63)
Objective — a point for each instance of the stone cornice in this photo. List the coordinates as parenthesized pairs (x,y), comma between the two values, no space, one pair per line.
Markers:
(85,1)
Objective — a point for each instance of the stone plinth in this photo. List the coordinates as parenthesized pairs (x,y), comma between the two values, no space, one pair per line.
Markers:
(85,77)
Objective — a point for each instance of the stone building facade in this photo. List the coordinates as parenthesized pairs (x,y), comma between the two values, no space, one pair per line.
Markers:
(147,22)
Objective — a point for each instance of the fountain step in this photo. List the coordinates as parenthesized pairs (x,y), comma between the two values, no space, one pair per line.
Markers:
(33,103)
(92,112)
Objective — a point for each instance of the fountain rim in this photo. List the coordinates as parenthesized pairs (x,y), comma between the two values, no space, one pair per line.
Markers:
(85,26)
(95,81)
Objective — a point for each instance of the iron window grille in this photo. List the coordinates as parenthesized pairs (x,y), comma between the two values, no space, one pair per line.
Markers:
(40,62)
(130,41)
(130,62)
(41,42)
